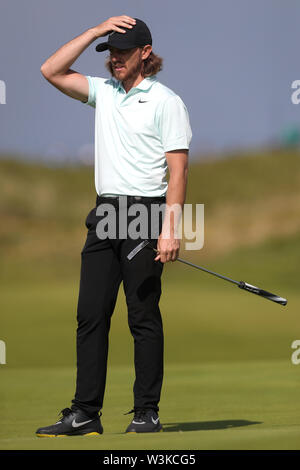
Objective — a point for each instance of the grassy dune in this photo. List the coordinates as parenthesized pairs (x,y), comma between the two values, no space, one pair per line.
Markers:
(247,201)
(229,380)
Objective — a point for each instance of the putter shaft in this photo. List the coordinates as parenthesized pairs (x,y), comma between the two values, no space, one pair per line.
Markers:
(204,269)
(241,284)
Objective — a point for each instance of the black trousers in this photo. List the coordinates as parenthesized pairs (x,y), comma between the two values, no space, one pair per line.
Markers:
(104,265)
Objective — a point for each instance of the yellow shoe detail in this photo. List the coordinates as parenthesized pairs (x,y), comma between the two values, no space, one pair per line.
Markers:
(67,435)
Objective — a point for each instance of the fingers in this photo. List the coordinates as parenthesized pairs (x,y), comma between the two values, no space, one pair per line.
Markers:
(129,19)
(118,30)
(167,255)
(167,249)
(115,23)
(125,21)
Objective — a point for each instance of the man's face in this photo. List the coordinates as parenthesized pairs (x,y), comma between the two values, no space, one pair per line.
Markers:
(126,63)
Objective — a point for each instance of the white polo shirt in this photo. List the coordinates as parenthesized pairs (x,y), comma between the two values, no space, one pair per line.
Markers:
(132,133)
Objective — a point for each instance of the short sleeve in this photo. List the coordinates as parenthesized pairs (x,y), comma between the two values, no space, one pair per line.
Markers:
(94,84)
(174,125)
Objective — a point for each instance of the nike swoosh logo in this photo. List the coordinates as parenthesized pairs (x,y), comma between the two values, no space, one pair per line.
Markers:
(141,101)
(154,421)
(76,425)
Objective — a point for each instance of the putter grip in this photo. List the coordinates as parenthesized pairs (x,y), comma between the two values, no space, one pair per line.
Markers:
(262,293)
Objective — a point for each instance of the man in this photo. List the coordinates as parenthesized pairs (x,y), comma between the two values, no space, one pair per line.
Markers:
(142,128)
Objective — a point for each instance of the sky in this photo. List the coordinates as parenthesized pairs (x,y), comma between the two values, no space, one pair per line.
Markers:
(231,61)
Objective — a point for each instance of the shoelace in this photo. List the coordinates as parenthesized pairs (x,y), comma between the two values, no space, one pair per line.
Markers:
(138,414)
(67,411)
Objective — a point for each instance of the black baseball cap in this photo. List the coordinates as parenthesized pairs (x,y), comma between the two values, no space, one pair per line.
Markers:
(137,36)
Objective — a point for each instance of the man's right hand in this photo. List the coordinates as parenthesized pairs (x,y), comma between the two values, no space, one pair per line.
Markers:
(57,69)
(115,23)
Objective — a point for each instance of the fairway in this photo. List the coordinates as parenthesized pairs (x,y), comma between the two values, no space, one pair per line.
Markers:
(204,406)
(229,380)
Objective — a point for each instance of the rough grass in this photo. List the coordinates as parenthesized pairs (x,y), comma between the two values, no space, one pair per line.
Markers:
(247,201)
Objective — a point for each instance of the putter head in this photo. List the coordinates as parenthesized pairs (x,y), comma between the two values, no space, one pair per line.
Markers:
(262,293)
(137,249)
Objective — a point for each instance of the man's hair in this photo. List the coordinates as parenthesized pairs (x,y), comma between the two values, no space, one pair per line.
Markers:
(151,66)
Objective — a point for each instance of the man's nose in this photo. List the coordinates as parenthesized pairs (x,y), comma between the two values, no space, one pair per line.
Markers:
(115,56)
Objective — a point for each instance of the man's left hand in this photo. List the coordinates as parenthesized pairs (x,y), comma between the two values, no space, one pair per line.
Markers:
(168,249)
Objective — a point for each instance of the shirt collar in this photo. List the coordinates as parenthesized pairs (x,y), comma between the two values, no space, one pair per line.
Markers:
(144,85)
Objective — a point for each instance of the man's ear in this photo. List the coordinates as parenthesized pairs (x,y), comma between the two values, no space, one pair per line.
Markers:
(146,51)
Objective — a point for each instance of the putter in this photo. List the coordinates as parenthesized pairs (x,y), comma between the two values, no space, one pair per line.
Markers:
(241,284)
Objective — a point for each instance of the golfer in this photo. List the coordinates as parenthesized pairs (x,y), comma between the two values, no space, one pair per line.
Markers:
(141,130)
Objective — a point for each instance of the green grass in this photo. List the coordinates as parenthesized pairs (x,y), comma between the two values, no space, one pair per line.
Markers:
(220,320)
(229,381)
(236,405)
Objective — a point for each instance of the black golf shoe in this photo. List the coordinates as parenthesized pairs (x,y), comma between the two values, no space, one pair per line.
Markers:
(72,423)
(144,420)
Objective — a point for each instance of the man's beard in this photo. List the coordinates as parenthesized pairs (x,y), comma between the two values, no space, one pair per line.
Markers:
(132,73)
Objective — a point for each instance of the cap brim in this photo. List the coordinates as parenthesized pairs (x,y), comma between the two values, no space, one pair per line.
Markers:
(103,46)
